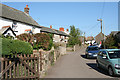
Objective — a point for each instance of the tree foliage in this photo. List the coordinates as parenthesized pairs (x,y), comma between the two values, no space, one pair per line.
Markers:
(111,41)
(74,36)
(39,40)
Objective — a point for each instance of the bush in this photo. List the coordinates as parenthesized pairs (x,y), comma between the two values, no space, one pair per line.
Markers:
(43,40)
(15,47)
(26,37)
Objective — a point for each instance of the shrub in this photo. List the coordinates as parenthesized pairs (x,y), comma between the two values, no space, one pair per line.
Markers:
(26,37)
(43,41)
(15,47)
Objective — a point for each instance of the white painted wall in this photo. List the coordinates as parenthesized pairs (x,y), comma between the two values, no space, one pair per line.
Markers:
(56,38)
(36,30)
(21,27)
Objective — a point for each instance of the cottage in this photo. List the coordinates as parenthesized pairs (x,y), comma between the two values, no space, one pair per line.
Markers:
(59,36)
(99,38)
(7,31)
(19,21)
(89,40)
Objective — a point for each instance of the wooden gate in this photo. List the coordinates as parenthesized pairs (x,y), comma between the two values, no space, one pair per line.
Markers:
(21,67)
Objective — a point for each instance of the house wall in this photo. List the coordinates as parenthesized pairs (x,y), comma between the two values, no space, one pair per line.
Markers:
(36,30)
(21,27)
(56,38)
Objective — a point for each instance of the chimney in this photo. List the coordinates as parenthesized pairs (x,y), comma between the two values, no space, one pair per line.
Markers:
(50,26)
(61,29)
(67,30)
(26,9)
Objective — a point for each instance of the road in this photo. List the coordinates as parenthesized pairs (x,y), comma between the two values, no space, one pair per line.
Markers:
(75,65)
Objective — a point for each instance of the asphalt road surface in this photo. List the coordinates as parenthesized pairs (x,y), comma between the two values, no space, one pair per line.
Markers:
(75,65)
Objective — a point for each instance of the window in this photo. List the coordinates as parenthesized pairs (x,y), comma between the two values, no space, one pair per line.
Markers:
(104,53)
(93,48)
(100,53)
(114,54)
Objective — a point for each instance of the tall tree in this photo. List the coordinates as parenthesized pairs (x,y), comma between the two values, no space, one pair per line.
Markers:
(74,36)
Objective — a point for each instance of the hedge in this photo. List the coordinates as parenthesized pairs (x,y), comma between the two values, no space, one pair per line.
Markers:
(15,47)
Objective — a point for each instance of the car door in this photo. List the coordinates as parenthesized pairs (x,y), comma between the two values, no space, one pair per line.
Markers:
(104,60)
(99,58)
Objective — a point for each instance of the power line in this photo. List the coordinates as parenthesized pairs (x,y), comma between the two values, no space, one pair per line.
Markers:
(102,11)
(93,27)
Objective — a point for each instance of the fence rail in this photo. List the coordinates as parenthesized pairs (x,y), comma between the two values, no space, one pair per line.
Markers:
(19,66)
(24,67)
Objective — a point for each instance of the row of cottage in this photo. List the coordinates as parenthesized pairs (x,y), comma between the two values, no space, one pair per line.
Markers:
(14,22)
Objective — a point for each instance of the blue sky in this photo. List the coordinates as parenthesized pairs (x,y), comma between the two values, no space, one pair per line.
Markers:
(82,15)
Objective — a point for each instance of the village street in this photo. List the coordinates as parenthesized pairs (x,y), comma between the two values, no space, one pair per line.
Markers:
(74,65)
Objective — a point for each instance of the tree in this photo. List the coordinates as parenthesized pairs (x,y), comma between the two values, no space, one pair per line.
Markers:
(111,41)
(74,36)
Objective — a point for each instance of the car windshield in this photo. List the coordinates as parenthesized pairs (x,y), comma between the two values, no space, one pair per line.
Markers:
(114,54)
(93,48)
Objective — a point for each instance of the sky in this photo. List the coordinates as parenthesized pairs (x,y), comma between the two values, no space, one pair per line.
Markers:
(82,15)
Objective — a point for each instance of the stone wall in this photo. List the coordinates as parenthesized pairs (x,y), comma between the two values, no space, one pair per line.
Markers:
(48,58)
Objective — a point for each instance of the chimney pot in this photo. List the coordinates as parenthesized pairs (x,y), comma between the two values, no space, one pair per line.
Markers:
(50,26)
(26,9)
(61,29)
(26,6)
(67,29)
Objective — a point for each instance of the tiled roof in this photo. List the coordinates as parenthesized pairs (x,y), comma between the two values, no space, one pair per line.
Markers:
(90,38)
(5,26)
(99,37)
(48,30)
(4,30)
(54,31)
(14,14)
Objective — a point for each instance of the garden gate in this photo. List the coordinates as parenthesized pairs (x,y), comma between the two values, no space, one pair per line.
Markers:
(23,67)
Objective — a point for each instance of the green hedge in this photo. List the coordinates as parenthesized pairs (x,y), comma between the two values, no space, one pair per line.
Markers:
(15,47)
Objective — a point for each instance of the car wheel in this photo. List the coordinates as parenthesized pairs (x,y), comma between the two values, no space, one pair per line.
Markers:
(98,65)
(110,71)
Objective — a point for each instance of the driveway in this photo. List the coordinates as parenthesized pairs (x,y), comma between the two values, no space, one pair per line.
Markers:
(75,65)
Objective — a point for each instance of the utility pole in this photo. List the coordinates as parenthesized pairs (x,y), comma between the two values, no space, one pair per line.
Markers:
(101,29)
(101,23)
(84,38)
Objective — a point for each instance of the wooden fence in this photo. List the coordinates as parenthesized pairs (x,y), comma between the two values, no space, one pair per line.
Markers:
(25,67)
(20,67)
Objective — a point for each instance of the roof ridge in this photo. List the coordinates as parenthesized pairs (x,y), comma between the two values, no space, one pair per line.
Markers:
(11,7)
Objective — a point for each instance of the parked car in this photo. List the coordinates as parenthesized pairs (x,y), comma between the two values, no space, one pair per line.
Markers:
(109,59)
(91,51)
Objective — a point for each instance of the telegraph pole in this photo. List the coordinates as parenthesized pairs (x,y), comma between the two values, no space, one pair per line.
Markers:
(101,23)
(84,37)
(101,30)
